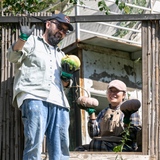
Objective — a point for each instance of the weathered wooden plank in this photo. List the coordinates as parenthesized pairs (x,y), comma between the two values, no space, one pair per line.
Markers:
(91,18)
(144,89)
(5,141)
(16,114)
(153,90)
(1,93)
(12,108)
(157,89)
(102,156)
(149,80)
(7,94)
(159,92)
(106,156)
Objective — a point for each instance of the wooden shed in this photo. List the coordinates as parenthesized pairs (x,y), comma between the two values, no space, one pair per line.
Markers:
(104,60)
(93,76)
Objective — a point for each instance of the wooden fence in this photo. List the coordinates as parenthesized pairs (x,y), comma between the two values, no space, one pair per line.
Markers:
(11,128)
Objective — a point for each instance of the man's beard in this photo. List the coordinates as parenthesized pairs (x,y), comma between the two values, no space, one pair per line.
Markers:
(52,39)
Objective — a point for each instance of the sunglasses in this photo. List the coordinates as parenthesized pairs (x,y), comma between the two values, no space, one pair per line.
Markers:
(65,31)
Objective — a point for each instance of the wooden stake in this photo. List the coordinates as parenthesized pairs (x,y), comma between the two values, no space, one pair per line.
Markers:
(149,82)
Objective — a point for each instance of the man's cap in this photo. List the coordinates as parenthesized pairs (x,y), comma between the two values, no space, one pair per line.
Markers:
(117,84)
(62,18)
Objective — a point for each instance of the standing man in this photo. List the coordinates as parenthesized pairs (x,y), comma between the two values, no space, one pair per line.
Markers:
(39,88)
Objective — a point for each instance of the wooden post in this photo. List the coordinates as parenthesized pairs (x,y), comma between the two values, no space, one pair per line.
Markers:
(149,82)
(12,109)
(159,92)
(152,134)
(16,116)
(144,89)
(2,90)
(157,89)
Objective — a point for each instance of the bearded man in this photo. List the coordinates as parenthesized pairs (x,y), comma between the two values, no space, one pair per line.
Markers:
(38,90)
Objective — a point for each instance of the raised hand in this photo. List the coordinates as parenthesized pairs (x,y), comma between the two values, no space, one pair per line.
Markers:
(25,28)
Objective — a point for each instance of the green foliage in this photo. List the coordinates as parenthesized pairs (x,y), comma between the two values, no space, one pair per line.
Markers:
(128,10)
(103,7)
(117,2)
(121,5)
(20,6)
(125,134)
(138,60)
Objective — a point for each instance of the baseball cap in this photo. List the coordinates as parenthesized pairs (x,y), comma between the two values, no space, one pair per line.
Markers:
(117,84)
(62,18)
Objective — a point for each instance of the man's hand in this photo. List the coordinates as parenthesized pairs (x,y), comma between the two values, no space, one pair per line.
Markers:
(25,28)
(67,73)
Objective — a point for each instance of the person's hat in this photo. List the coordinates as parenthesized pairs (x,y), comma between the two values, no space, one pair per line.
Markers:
(62,18)
(117,84)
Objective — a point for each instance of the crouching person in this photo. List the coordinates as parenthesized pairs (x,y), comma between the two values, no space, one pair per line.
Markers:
(105,129)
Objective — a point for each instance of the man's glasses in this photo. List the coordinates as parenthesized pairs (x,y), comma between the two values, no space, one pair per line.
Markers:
(65,31)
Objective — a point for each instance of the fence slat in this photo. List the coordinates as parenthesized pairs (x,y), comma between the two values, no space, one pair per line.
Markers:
(149,80)
(12,108)
(144,89)
(153,90)
(16,113)
(157,88)
(7,95)
(1,95)
(159,91)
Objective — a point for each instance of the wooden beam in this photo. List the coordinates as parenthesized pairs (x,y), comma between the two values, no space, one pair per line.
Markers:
(92,18)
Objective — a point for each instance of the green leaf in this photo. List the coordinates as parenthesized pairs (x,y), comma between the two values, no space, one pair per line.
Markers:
(116,2)
(103,3)
(107,8)
(101,9)
(137,60)
(81,3)
(128,146)
(121,5)
(74,1)
(107,13)
(99,3)
(127,9)
(17,5)
(118,148)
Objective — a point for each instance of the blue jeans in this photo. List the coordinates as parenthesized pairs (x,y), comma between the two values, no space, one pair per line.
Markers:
(41,118)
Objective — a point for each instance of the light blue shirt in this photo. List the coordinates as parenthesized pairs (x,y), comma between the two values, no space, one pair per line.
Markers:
(36,72)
